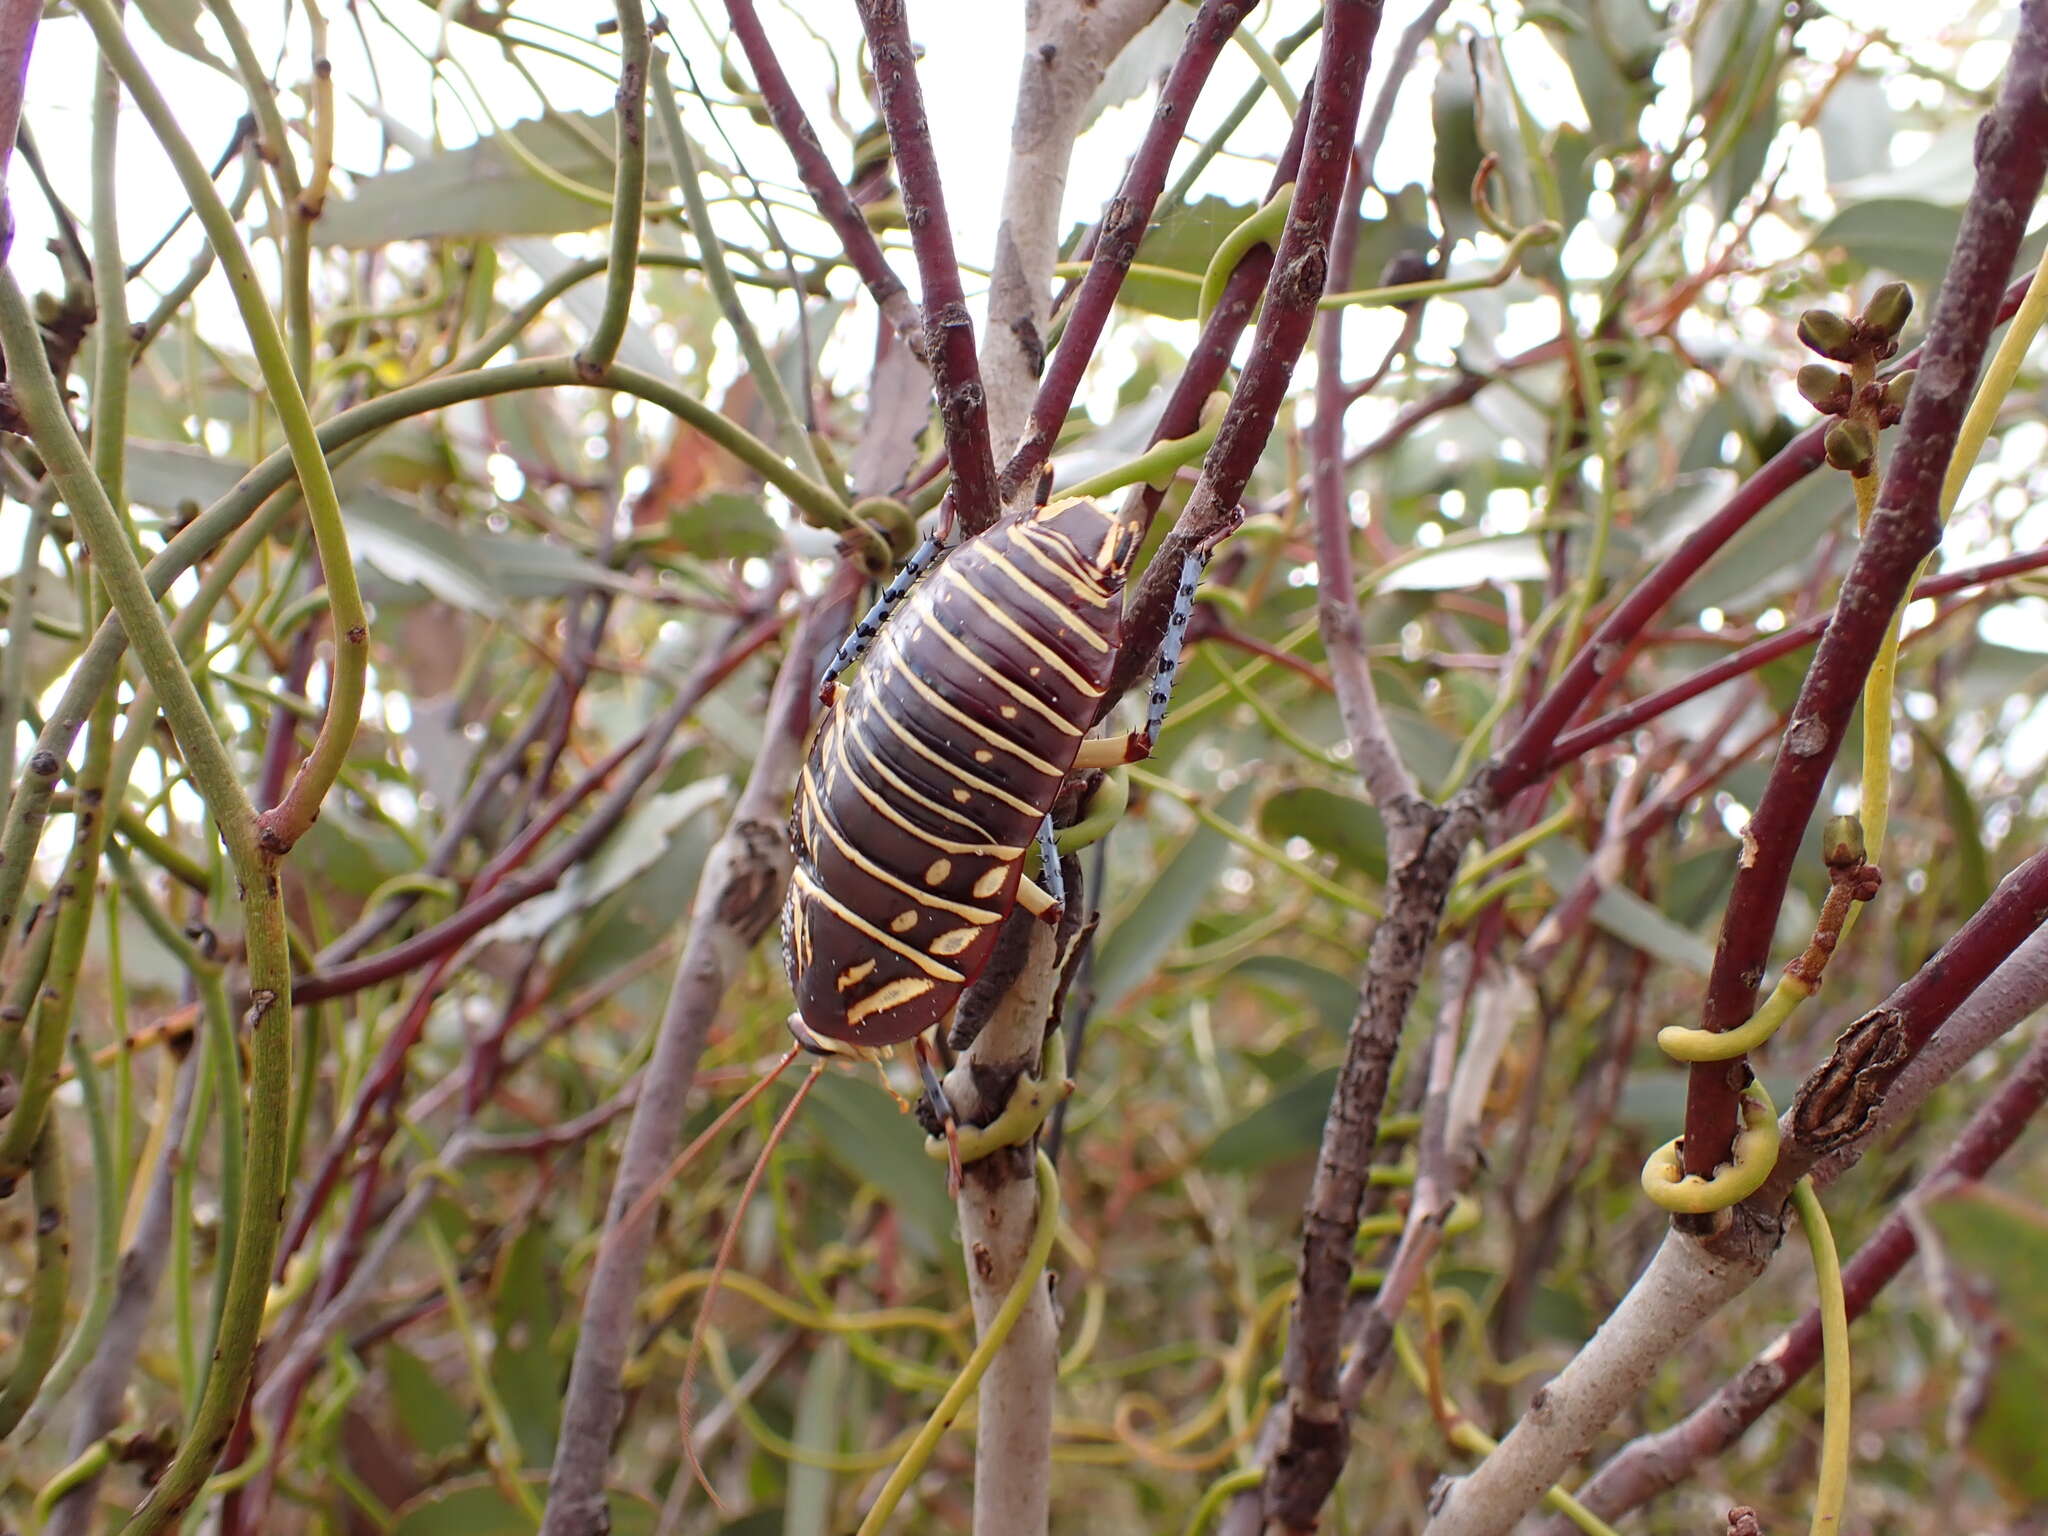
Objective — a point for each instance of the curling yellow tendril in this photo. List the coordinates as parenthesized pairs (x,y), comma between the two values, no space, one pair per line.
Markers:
(1753,1155)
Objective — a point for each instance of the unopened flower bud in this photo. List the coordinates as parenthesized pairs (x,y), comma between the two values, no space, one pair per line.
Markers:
(1888,309)
(1828,334)
(1896,389)
(1850,446)
(1826,389)
(1841,842)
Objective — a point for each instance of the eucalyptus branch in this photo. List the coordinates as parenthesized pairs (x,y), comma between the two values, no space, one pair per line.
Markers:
(1387,779)
(949,330)
(1148,604)
(1688,1281)
(1114,245)
(1655,1462)
(629,190)
(1068,47)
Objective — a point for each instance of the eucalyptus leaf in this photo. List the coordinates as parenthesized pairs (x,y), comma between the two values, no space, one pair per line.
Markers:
(725,525)
(1626,915)
(432,1419)
(1345,826)
(639,841)
(1183,241)
(1908,237)
(1856,123)
(526,1373)
(487,189)
(2003,1241)
(1288,1125)
(1334,998)
(866,1132)
(1133,949)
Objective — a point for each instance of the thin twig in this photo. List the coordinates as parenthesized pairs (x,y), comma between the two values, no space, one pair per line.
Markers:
(949,329)
(835,204)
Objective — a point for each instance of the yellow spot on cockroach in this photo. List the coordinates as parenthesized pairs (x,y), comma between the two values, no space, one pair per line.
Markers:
(1009,711)
(902,990)
(983,755)
(1036,670)
(953,941)
(854,975)
(962,796)
(903,922)
(937,871)
(990,883)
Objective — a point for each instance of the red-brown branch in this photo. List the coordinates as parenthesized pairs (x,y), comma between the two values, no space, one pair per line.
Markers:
(488,903)
(1620,722)
(835,204)
(949,330)
(2012,157)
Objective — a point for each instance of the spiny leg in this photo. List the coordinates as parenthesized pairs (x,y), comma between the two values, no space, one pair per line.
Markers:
(942,1112)
(1049,868)
(922,559)
(1111,751)
(1170,647)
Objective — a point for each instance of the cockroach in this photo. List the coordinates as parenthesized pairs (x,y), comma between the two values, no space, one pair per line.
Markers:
(934,775)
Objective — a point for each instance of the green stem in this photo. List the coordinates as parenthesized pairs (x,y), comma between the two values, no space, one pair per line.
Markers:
(1214,1496)
(277,152)
(1510,263)
(1833,1487)
(1262,227)
(283,825)
(106,1231)
(49,1289)
(1158,463)
(1268,68)
(111,347)
(21,624)
(233,514)
(88,1465)
(213,774)
(57,998)
(629,190)
(20,999)
(505,1441)
(767,379)
(1028,1280)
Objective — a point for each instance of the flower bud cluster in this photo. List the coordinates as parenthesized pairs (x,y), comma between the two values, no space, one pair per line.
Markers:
(1864,342)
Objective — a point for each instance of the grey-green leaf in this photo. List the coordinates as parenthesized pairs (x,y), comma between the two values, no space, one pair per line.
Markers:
(1133,949)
